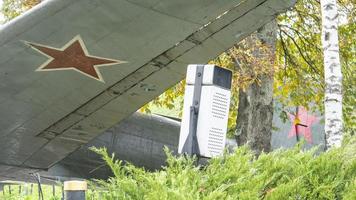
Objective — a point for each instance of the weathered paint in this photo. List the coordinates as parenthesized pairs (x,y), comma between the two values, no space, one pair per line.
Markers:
(50,115)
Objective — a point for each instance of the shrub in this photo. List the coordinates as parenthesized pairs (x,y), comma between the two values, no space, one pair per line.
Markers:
(283,174)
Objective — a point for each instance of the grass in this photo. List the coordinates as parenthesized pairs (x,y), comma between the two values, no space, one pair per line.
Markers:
(23,192)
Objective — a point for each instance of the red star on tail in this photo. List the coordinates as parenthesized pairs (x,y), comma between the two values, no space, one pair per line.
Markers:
(301,124)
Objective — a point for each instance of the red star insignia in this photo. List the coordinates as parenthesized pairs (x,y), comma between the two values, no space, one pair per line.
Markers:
(301,124)
(73,56)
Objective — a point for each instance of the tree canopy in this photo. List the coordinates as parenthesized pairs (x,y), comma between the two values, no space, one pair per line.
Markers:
(298,67)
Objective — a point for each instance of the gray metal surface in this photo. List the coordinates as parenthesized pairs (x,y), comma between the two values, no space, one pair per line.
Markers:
(74,195)
(46,115)
(139,139)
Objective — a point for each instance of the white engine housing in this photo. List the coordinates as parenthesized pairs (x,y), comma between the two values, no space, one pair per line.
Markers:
(213,110)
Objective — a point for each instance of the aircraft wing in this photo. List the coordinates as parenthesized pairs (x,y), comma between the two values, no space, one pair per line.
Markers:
(70,69)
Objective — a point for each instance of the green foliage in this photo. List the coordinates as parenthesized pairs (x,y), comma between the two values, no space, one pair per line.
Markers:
(283,174)
(24,193)
(13,8)
(300,78)
(298,67)
(249,70)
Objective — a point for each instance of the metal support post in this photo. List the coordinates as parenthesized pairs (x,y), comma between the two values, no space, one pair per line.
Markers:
(191,147)
(75,190)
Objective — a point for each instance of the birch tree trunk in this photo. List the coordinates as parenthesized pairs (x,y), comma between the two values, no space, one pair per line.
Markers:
(332,73)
